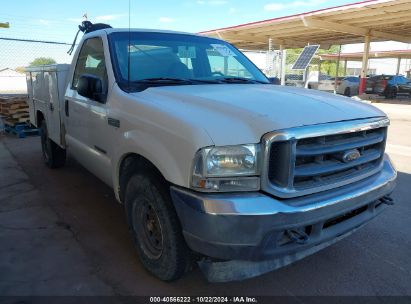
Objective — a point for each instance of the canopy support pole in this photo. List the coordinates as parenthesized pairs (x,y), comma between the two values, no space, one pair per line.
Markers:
(364,68)
(319,70)
(345,67)
(336,69)
(398,66)
(283,53)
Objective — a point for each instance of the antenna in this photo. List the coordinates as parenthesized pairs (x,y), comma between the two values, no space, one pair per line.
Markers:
(129,45)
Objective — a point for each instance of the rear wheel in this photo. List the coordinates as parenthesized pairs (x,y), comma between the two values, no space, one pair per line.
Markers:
(53,155)
(347,92)
(155,227)
(391,93)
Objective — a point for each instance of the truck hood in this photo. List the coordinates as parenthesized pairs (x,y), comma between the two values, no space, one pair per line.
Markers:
(243,113)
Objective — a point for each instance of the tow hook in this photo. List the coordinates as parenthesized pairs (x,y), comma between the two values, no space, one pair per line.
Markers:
(387,200)
(297,236)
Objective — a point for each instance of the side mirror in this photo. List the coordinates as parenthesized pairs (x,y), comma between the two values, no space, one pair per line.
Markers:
(91,86)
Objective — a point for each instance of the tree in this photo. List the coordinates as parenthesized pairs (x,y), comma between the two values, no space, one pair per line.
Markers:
(42,61)
(20,69)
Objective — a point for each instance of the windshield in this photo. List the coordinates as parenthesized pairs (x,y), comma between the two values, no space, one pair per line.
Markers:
(174,59)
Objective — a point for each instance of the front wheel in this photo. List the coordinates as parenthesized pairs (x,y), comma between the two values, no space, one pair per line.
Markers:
(155,228)
(53,155)
(347,92)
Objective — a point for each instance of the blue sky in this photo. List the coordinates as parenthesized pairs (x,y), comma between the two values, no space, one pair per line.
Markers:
(57,20)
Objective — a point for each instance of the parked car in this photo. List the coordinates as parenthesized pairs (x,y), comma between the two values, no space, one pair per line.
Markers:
(348,86)
(294,80)
(274,80)
(326,83)
(212,162)
(388,85)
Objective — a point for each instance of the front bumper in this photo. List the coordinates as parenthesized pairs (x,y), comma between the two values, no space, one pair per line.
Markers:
(256,226)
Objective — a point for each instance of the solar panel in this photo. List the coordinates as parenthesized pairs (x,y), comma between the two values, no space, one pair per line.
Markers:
(305,57)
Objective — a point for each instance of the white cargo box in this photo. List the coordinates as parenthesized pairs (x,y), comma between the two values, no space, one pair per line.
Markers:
(46,87)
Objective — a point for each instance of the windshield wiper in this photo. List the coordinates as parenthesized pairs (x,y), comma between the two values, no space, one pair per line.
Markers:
(160,80)
(178,80)
(142,84)
(239,80)
(211,81)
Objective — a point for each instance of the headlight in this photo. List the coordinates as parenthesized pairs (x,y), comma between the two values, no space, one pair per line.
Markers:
(229,168)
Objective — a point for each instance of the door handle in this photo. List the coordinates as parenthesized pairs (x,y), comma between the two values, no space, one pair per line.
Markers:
(113,122)
(66,107)
(51,107)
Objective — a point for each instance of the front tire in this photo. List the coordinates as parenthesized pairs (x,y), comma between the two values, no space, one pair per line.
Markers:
(53,155)
(347,92)
(155,228)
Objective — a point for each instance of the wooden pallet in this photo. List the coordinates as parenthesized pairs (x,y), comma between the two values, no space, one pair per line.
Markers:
(14,121)
(11,108)
(21,130)
(14,110)
(8,98)
(13,103)
(20,116)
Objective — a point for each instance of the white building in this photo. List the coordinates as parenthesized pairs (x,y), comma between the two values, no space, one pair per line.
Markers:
(12,82)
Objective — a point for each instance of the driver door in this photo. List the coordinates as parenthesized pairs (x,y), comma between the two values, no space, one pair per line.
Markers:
(87,118)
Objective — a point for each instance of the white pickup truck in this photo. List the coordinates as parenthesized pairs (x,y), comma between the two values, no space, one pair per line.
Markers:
(212,163)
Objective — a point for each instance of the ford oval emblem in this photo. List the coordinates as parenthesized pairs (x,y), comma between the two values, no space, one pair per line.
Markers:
(350,155)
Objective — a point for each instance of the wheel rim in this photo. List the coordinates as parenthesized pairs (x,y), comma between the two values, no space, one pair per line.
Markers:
(149,230)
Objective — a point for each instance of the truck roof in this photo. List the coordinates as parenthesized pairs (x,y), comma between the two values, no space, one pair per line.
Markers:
(116,30)
(57,67)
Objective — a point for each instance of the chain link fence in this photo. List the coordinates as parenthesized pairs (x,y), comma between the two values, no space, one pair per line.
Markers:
(16,54)
(270,64)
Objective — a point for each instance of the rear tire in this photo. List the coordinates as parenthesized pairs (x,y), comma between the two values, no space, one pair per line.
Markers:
(391,93)
(347,92)
(53,155)
(155,227)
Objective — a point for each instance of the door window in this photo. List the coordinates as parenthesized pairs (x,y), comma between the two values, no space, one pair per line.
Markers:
(91,61)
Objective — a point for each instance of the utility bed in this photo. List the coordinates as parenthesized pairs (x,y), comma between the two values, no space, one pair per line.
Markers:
(46,86)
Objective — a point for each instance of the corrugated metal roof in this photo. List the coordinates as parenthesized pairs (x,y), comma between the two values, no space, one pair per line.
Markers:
(383,20)
(357,56)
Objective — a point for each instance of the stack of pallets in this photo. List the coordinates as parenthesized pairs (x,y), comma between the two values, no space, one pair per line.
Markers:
(14,112)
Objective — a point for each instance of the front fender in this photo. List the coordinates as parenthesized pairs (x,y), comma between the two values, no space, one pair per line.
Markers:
(171,155)
(160,134)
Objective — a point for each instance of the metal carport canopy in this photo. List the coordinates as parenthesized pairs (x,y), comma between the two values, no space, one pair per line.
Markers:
(372,20)
(357,56)
(381,20)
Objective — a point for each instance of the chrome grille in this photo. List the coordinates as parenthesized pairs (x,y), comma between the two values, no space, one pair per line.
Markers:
(303,161)
(319,160)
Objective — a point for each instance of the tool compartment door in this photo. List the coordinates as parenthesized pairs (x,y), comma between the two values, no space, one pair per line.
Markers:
(30,97)
(53,106)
